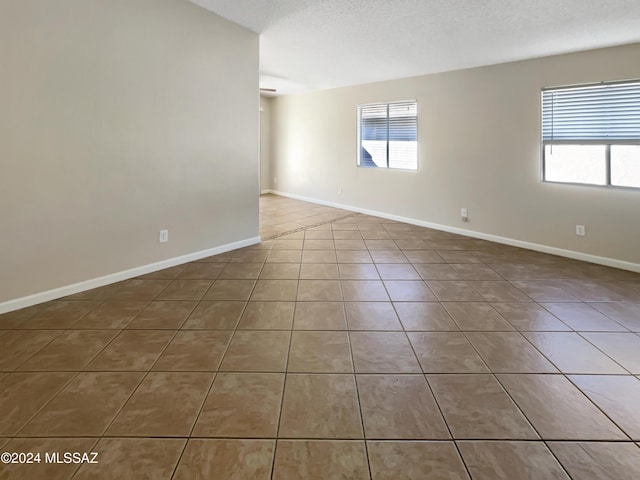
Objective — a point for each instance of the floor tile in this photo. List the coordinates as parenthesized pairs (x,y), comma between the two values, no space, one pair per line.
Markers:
(499,292)
(509,352)
(320,459)
(384,256)
(510,460)
(399,407)
(371,316)
(358,271)
(60,314)
(317,244)
(456,257)
(185,290)
(319,316)
(23,394)
(85,406)
(624,348)
(319,271)
(132,350)
(383,352)
(230,290)
(257,351)
(242,405)
(573,354)
(222,315)
(284,256)
(350,244)
(280,271)
(364,291)
(408,291)
(397,271)
(241,271)
(319,291)
(423,256)
(139,458)
(138,289)
(200,271)
(617,396)
(599,460)
(529,317)
(164,405)
(476,406)
(194,351)
(446,352)
(436,271)
(473,271)
(319,256)
(583,318)
(111,314)
(15,318)
(43,470)
(70,351)
(454,291)
(275,290)
(320,352)
(19,345)
(226,460)
(161,314)
(353,256)
(424,316)
(387,245)
(558,410)
(315,234)
(288,244)
(625,313)
(267,316)
(249,256)
(414,460)
(541,291)
(100,293)
(471,316)
(320,406)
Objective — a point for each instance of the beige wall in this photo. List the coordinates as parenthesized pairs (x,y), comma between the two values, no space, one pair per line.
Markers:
(120,118)
(265,143)
(479,148)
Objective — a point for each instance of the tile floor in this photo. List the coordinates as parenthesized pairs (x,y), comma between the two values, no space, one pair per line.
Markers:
(358,349)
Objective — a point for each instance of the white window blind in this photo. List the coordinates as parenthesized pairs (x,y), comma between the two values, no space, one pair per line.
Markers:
(387,135)
(603,114)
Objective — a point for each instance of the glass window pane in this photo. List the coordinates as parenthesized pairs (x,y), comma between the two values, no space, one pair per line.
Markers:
(575,164)
(625,165)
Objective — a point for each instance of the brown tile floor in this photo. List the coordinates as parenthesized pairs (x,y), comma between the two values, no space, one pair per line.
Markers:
(358,349)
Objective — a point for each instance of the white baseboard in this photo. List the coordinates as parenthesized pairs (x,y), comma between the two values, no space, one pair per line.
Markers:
(59,292)
(609,262)
(262,192)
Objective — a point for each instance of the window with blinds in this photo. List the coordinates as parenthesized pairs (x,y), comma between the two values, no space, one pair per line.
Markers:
(388,135)
(591,134)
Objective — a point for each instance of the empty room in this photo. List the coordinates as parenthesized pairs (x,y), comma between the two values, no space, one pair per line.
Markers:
(319,240)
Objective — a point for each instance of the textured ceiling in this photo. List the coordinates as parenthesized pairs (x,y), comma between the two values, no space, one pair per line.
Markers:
(317,44)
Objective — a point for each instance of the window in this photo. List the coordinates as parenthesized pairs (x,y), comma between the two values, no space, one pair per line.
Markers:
(591,134)
(388,135)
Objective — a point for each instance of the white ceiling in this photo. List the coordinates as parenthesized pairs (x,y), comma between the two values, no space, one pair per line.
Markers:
(317,44)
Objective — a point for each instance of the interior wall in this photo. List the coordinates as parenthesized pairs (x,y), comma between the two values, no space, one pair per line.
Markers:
(479,148)
(265,143)
(120,118)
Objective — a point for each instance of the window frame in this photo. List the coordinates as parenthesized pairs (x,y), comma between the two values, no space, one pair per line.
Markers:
(359,140)
(606,144)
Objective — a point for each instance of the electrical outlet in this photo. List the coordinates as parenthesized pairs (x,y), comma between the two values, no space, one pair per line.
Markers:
(464,213)
(339,190)
(580,230)
(275,179)
(164,236)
